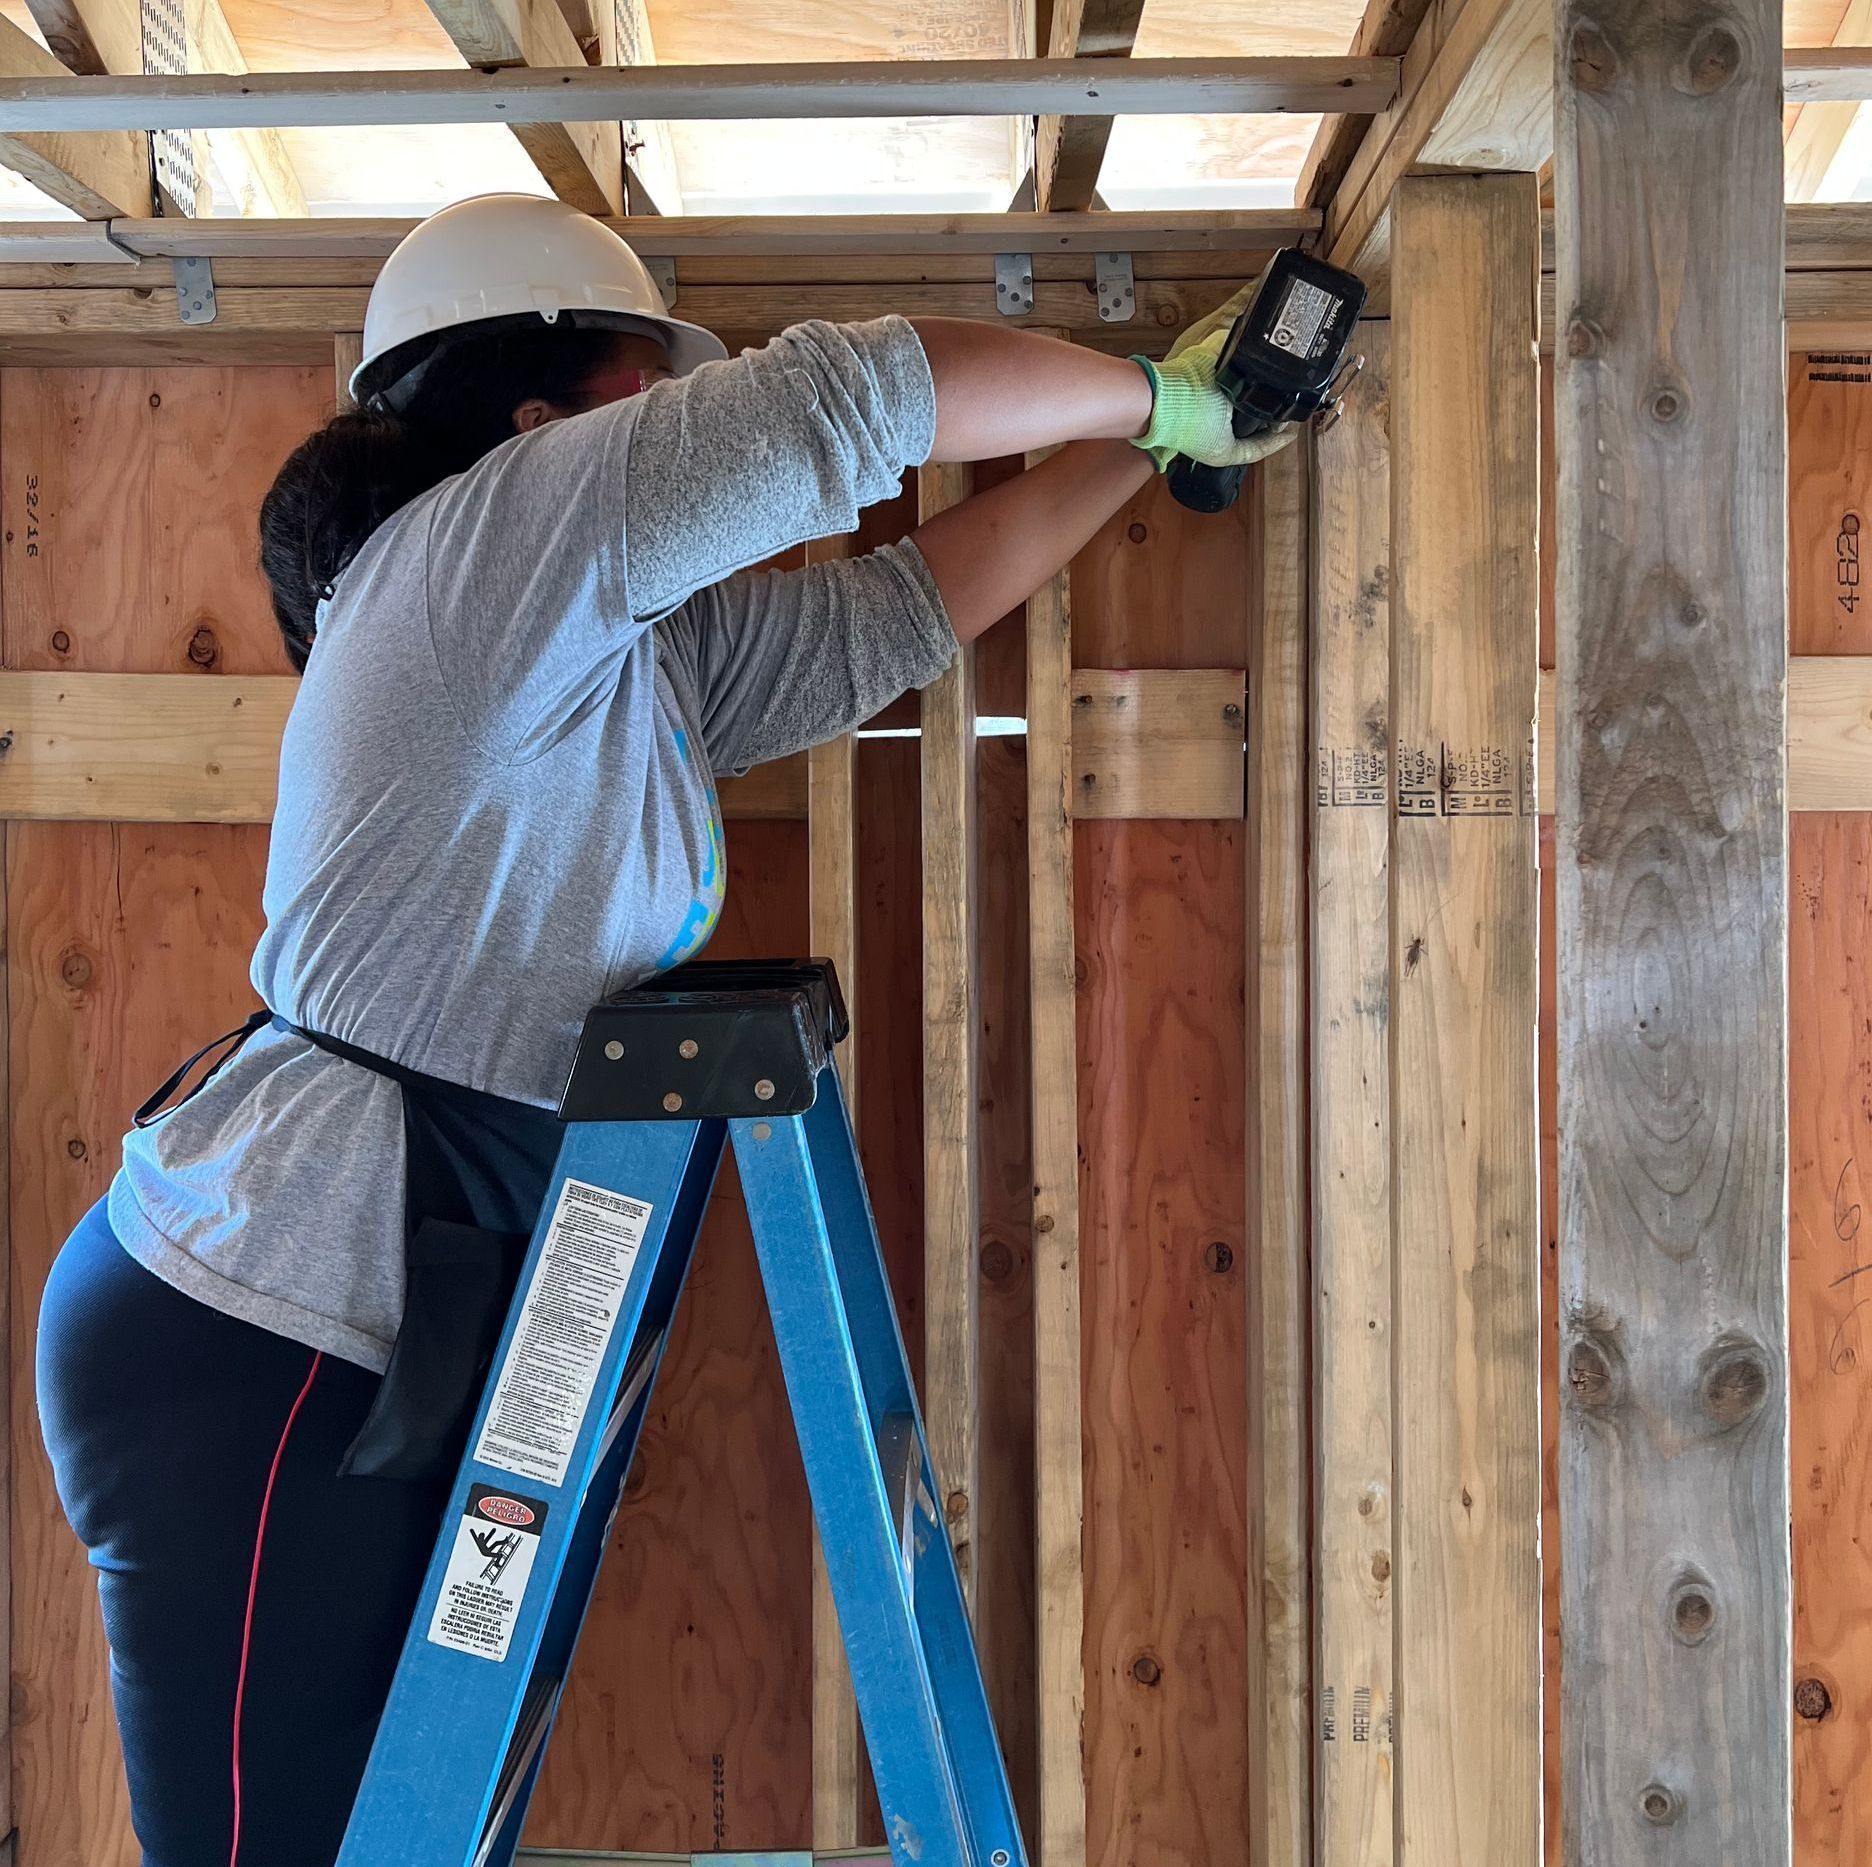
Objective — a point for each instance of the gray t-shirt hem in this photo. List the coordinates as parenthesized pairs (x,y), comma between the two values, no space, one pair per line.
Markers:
(163,1258)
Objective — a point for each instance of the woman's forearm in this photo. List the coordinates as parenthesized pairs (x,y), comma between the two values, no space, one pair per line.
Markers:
(991,553)
(1003,391)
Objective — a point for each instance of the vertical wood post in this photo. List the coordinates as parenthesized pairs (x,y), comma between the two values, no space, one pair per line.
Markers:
(1059,1556)
(951,1060)
(1353,1757)
(839,1767)
(1280,1815)
(1463,1002)
(347,354)
(1672,931)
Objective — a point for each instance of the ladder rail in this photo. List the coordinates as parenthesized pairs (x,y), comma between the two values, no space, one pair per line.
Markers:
(450,1703)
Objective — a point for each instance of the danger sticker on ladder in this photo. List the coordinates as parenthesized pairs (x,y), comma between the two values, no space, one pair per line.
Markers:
(495,1543)
(572,1301)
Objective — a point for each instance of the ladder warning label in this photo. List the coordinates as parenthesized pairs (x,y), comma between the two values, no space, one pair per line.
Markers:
(573,1300)
(495,1543)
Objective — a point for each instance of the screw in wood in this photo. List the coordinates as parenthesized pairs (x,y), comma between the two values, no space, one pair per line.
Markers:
(672,1102)
(614,1050)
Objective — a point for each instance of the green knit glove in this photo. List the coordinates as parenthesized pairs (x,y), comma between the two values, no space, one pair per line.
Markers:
(1189,414)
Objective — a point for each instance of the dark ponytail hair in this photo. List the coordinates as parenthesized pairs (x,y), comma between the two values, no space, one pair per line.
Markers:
(454,403)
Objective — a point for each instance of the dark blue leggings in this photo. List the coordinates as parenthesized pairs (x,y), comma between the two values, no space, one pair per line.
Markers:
(167,1423)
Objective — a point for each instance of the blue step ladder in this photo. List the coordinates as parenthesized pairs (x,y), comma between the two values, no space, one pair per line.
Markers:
(664,1077)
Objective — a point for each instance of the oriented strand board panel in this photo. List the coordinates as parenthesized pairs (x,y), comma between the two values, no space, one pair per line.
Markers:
(1829,1147)
(1162,930)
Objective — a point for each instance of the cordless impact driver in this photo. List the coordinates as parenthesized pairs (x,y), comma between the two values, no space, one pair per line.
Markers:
(1284,360)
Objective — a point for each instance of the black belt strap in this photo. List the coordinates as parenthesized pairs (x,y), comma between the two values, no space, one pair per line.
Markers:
(229,1043)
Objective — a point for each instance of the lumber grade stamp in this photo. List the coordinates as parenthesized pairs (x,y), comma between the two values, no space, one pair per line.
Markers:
(1353,1756)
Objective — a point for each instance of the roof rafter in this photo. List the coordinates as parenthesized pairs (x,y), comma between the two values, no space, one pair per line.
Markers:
(100,175)
(649,152)
(583,162)
(95,37)
(1070,151)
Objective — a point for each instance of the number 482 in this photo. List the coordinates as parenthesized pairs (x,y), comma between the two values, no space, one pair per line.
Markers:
(1846,548)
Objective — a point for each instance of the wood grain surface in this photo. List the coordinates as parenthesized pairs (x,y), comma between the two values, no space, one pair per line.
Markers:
(1280,1657)
(1354,1759)
(127,946)
(1464,538)
(1161,929)
(1829,1148)
(1672,930)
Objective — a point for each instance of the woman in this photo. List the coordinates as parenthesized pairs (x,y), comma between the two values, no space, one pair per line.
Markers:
(511,580)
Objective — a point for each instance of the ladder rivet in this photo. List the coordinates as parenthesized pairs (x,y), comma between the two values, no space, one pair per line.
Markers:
(687,1048)
(999,1858)
(614,1050)
(763,1090)
(672,1102)
(762,1132)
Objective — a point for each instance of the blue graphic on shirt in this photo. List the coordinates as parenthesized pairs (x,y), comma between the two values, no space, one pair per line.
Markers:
(703,912)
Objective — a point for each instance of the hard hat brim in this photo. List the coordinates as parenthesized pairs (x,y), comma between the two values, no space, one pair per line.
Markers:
(689,345)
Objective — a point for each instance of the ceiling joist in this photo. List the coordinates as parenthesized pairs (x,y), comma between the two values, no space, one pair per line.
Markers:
(695,93)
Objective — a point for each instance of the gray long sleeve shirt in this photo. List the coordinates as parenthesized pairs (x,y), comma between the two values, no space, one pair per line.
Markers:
(497,798)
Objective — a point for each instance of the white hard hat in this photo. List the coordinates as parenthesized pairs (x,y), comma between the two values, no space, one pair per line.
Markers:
(506,256)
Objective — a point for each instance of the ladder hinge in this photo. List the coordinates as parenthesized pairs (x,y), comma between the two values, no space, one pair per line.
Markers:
(1014,297)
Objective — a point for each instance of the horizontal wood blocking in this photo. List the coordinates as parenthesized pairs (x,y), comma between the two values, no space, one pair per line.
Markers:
(695,236)
(179,748)
(1157,742)
(85,327)
(689,93)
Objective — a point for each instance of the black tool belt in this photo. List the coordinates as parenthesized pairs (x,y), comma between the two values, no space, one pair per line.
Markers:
(478,1168)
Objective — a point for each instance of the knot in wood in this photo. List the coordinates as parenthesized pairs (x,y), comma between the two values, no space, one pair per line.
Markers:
(1734,1382)
(1714,58)
(203,649)
(1590,58)
(75,968)
(1380,1566)
(1146,1670)
(1812,1700)
(997,1261)
(1217,1257)
(955,1506)
(61,642)
(1692,1610)
(1659,1806)
(1584,338)
(1589,1376)
(1667,403)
